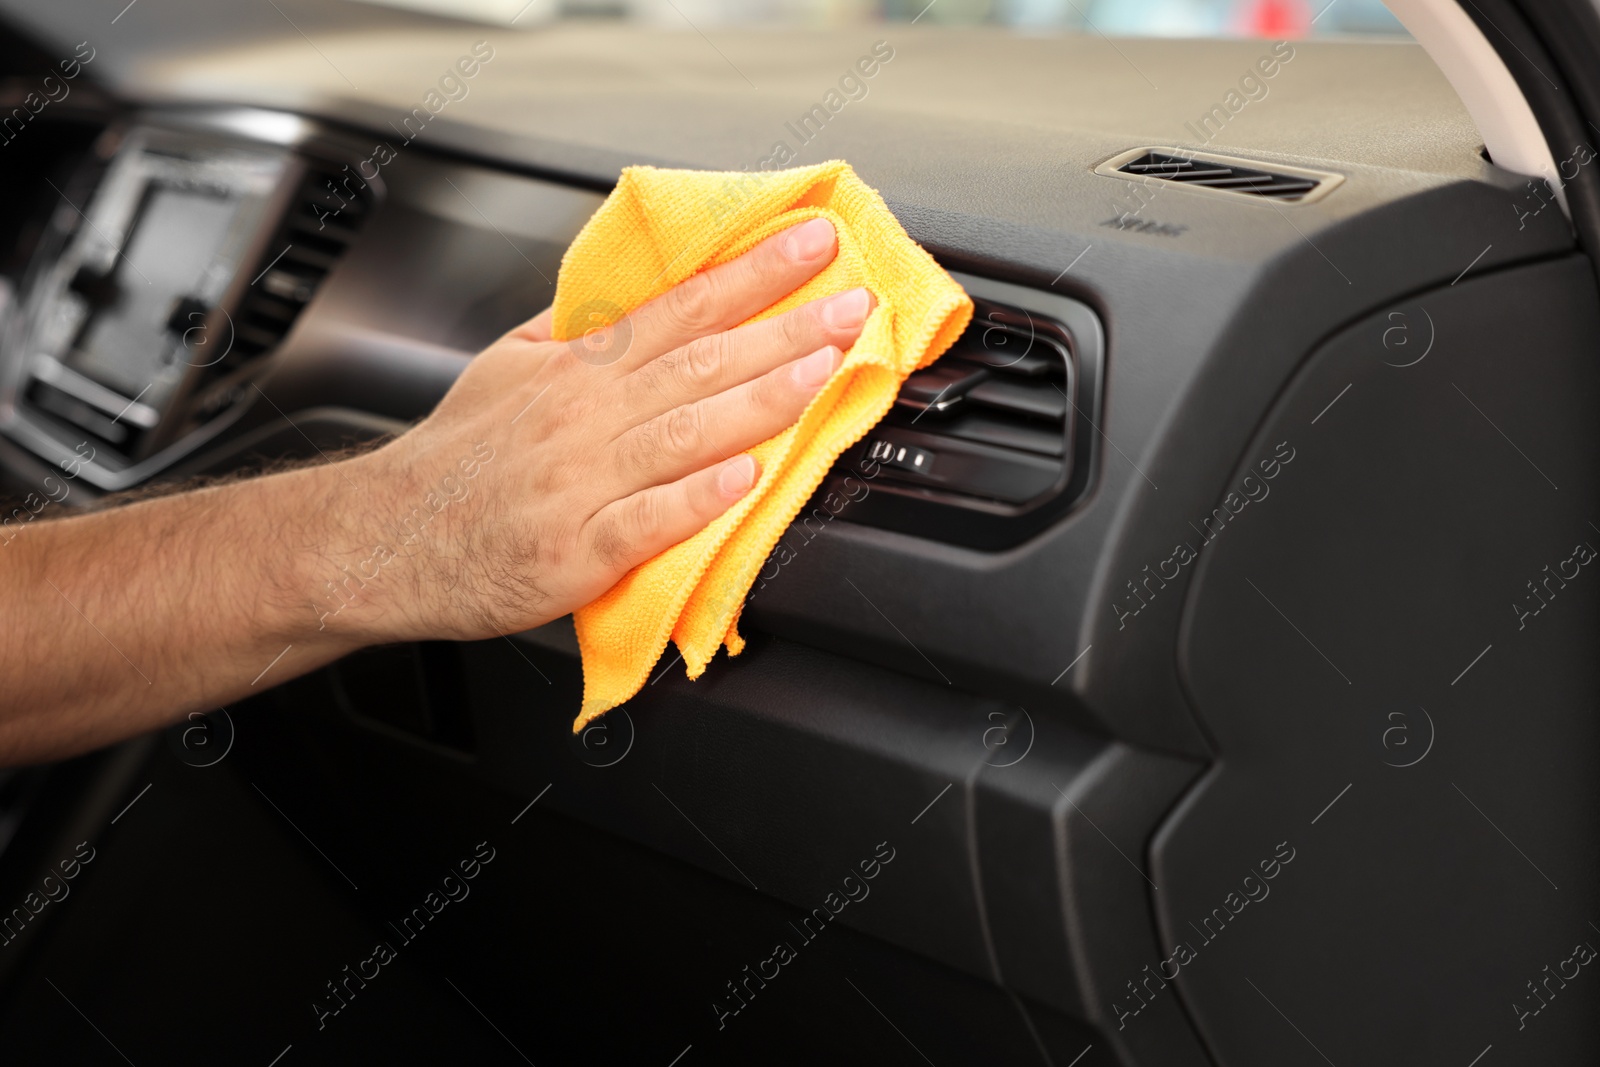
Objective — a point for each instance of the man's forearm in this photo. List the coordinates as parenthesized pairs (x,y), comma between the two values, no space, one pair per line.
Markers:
(547,472)
(125,620)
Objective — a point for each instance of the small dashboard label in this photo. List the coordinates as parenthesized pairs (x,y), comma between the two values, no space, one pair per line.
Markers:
(1137,225)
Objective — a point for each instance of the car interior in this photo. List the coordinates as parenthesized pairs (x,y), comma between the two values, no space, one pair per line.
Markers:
(1141,691)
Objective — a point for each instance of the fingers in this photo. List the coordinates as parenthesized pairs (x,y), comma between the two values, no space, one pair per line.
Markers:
(724,296)
(721,361)
(692,436)
(629,531)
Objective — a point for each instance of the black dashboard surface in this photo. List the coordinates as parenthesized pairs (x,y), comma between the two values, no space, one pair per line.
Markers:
(1214,312)
(993,171)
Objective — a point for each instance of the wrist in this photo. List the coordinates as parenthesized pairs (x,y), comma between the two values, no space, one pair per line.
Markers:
(339,588)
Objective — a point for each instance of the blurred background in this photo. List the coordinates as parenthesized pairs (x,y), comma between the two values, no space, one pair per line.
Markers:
(1155,18)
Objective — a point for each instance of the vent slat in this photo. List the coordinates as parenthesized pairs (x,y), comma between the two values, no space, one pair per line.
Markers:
(304,255)
(1036,400)
(1007,433)
(1185,172)
(1001,385)
(941,387)
(1167,166)
(255,335)
(330,240)
(1014,359)
(270,308)
(1233,180)
(1289,190)
(317,230)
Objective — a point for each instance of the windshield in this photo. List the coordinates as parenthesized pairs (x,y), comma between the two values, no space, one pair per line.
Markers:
(1154,18)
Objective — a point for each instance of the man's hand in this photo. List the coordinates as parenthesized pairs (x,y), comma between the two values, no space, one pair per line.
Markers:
(606,449)
(548,471)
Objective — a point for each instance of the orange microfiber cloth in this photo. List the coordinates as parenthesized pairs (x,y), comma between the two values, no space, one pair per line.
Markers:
(659,227)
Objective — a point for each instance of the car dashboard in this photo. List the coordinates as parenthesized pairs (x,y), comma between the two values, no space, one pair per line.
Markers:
(1027,655)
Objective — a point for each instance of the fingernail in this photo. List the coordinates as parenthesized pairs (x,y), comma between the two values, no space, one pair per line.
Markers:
(808,240)
(737,476)
(846,310)
(818,367)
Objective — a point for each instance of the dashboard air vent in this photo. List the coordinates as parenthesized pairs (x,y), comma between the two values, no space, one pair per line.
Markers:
(328,210)
(989,419)
(1287,184)
(990,442)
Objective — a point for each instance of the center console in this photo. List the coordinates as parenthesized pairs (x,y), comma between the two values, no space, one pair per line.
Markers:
(146,306)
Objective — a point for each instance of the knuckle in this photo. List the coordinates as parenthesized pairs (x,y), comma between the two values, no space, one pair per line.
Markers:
(771,393)
(685,371)
(769,262)
(804,326)
(704,358)
(645,518)
(660,376)
(680,431)
(609,542)
(641,448)
(694,304)
(553,476)
(566,413)
(527,541)
(513,583)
